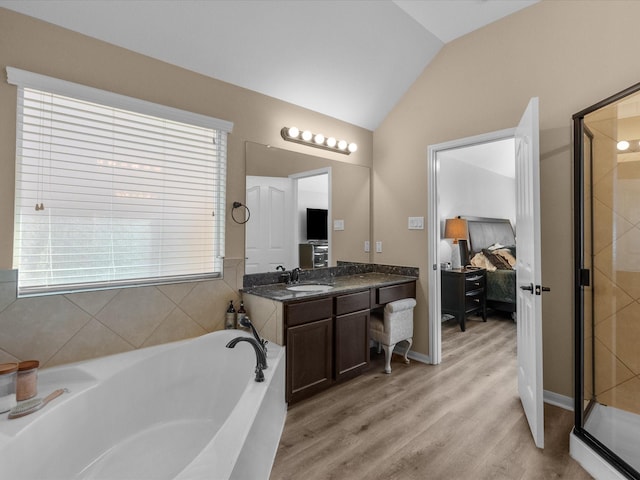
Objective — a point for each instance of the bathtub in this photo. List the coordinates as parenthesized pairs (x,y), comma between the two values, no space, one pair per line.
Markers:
(184,410)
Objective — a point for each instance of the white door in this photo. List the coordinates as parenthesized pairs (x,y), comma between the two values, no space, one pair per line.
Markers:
(529,299)
(269,232)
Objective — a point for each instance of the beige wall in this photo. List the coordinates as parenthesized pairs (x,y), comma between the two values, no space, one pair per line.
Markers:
(571,54)
(64,328)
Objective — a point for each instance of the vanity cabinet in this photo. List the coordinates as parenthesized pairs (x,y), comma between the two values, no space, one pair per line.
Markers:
(352,334)
(327,338)
(309,336)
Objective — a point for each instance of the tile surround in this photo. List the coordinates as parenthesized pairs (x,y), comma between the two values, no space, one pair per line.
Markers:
(60,329)
(616,276)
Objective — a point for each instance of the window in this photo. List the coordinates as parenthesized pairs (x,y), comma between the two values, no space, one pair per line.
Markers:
(113,191)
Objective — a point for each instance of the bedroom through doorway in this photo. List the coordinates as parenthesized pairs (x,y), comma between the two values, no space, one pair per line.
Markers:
(477,190)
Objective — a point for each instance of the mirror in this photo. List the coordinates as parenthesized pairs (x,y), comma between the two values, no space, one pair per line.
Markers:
(281,185)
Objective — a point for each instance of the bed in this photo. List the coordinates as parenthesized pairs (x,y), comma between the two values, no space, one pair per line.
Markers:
(492,246)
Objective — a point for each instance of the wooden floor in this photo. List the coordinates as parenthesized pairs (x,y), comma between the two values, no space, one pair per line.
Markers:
(461,419)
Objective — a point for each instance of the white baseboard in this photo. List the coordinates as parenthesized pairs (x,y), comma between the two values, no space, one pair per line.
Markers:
(420,357)
(562,401)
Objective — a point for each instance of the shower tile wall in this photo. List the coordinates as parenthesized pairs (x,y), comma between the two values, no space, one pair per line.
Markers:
(60,329)
(616,213)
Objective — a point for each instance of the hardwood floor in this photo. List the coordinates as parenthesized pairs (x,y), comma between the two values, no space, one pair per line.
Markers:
(461,419)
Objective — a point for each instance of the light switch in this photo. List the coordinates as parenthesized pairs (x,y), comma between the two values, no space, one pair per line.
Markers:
(367,246)
(416,223)
(379,247)
(338,224)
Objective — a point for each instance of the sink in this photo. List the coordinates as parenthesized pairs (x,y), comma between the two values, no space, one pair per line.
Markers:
(310,288)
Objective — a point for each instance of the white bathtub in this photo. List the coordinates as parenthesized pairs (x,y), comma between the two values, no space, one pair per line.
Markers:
(185,410)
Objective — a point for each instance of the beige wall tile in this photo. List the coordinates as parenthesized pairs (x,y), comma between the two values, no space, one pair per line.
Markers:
(177,326)
(207,303)
(609,370)
(92,341)
(624,396)
(176,291)
(35,328)
(7,294)
(134,313)
(609,297)
(620,333)
(92,302)
(6,357)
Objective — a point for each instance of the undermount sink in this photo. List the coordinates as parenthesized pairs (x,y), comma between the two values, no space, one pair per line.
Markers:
(310,288)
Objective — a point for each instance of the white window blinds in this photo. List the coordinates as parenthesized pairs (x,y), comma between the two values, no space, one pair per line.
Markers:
(108,195)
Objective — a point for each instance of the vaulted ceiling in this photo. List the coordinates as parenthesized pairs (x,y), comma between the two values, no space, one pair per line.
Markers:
(349,59)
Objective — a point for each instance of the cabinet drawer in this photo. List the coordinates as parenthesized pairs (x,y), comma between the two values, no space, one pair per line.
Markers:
(309,311)
(352,302)
(474,281)
(395,292)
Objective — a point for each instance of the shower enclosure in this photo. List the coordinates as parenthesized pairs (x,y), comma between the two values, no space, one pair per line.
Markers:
(607,286)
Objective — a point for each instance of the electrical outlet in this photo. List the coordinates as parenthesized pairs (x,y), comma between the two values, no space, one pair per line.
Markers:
(338,224)
(378,247)
(367,246)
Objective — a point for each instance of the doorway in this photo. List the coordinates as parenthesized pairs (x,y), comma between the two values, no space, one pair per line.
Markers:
(528,288)
(442,206)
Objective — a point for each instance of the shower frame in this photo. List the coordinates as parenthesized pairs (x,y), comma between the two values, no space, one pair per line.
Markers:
(583,277)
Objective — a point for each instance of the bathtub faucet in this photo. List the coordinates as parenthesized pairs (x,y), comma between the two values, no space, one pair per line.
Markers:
(261,359)
(246,323)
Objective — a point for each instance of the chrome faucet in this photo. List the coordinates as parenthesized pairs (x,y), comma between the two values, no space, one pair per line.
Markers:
(295,275)
(261,358)
(285,275)
(246,323)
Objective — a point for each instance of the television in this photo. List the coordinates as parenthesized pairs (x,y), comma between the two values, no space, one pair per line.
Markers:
(317,224)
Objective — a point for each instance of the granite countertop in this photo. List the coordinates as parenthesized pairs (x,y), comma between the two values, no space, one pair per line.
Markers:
(340,285)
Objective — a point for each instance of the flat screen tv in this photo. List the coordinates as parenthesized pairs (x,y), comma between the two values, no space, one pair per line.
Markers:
(317,224)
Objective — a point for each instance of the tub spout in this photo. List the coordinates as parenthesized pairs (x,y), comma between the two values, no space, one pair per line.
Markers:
(261,358)
(246,322)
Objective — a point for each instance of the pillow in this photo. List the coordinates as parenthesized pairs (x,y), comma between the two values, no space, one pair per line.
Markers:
(507,255)
(497,260)
(479,260)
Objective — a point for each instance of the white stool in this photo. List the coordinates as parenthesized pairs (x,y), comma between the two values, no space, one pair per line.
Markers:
(396,326)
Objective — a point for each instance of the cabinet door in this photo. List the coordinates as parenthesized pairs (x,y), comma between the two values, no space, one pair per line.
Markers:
(309,359)
(352,344)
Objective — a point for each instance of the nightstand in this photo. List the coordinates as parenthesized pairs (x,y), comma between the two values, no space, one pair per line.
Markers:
(463,293)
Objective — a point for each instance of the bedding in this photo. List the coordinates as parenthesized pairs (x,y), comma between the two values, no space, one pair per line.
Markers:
(492,246)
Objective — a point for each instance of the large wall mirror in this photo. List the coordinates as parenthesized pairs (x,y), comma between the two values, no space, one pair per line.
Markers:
(306,211)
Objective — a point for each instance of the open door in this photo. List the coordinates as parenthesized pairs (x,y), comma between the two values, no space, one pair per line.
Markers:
(269,233)
(529,294)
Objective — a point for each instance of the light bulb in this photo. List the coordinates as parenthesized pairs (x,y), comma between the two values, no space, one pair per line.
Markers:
(623,145)
(331,142)
(353,147)
(293,132)
(342,144)
(319,138)
(307,135)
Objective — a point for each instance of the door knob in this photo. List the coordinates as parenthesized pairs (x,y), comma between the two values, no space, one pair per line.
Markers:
(529,288)
(540,289)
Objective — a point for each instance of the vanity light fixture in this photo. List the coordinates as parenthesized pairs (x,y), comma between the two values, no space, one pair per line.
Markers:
(318,140)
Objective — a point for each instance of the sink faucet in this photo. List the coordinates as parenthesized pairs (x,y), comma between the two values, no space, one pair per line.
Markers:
(295,275)
(286,275)
(261,359)
(246,322)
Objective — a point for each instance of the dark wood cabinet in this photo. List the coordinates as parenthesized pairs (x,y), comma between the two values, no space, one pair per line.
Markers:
(309,359)
(352,335)
(327,338)
(463,293)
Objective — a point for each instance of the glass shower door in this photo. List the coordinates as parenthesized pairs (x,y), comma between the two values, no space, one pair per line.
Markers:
(608,274)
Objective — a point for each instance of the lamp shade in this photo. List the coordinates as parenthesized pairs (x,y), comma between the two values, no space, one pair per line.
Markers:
(455,228)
